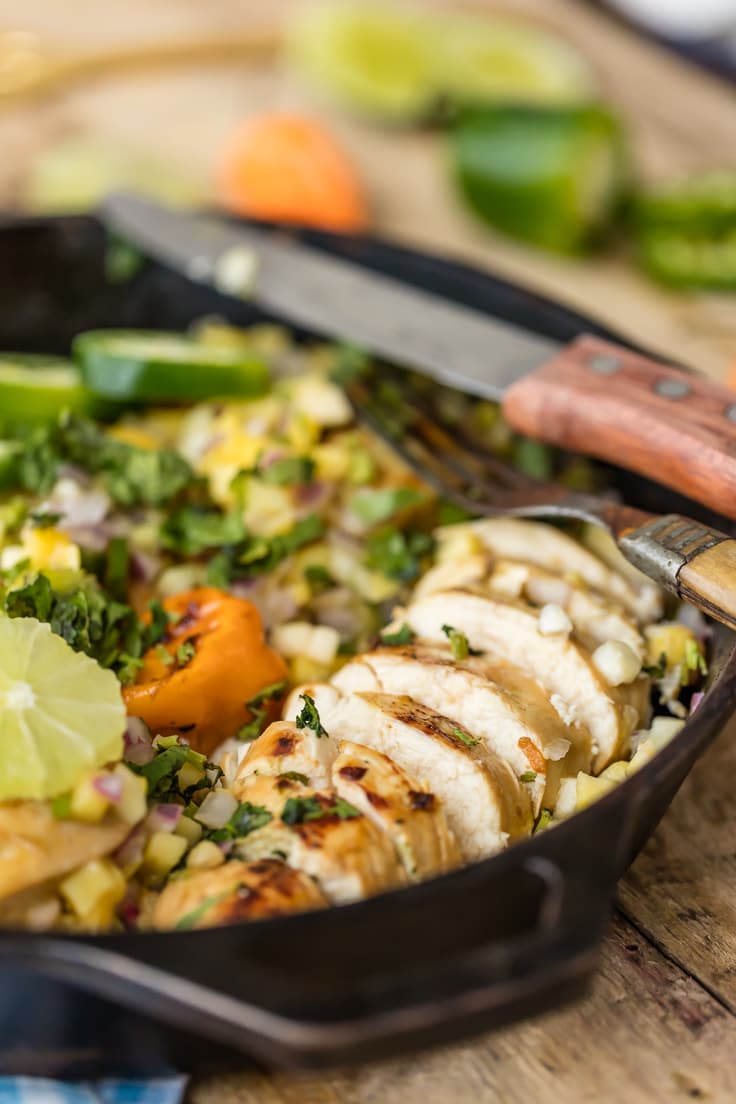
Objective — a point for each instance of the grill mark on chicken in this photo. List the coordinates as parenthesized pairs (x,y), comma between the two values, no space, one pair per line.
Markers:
(284,745)
(375,799)
(353,773)
(421,800)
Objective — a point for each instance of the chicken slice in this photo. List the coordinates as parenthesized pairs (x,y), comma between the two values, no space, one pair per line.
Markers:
(594,618)
(36,847)
(485,803)
(553,549)
(562,667)
(283,748)
(499,705)
(341,849)
(235,891)
(410,813)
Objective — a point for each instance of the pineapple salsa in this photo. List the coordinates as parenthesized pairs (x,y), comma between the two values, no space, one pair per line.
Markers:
(191,528)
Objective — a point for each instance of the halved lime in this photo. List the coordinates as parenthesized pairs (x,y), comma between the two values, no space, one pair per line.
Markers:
(151,365)
(61,714)
(486,60)
(34,388)
(374,58)
(549,176)
(400,63)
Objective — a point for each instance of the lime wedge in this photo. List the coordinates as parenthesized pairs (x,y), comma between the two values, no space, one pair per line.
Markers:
(374,58)
(491,60)
(61,714)
(549,176)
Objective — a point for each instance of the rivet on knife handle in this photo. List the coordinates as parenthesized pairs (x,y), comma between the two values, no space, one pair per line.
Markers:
(603,400)
(696,562)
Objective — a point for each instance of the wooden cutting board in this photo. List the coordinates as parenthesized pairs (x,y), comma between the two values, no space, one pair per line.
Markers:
(680,119)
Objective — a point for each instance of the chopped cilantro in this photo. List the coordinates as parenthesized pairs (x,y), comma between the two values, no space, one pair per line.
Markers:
(117,565)
(298,809)
(287,470)
(449,513)
(694,664)
(350,364)
(404,635)
(44,519)
(259,555)
(61,806)
(543,820)
(132,476)
(344,810)
(161,773)
(398,553)
(190,919)
(164,655)
(91,621)
(254,727)
(374,506)
(185,652)
(247,818)
(190,530)
(458,643)
(309,717)
(657,670)
(295,776)
(533,458)
(465,738)
(528,776)
(318,577)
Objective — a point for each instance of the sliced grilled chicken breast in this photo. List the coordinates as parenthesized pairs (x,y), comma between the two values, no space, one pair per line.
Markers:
(551,548)
(594,619)
(36,847)
(347,854)
(235,891)
(485,803)
(284,748)
(562,667)
(503,707)
(464,572)
(411,814)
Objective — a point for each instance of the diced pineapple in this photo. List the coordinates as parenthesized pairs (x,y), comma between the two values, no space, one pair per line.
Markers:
(50,548)
(322,401)
(205,856)
(662,731)
(162,852)
(589,789)
(132,806)
(616,772)
(332,462)
(458,542)
(318,643)
(189,775)
(189,829)
(87,803)
(93,891)
(303,669)
(133,435)
(269,509)
(671,640)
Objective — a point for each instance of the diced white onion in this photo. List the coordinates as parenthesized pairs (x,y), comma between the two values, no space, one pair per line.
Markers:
(617,662)
(553,621)
(216,809)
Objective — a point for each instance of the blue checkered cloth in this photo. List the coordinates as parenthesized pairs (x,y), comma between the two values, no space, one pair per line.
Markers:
(39,1090)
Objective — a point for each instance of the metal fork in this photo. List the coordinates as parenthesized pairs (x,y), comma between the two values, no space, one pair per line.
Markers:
(686,557)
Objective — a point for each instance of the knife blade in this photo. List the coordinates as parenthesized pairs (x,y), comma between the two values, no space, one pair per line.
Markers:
(457,345)
(591,396)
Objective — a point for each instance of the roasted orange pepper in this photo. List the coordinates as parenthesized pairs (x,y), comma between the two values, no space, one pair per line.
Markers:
(212,661)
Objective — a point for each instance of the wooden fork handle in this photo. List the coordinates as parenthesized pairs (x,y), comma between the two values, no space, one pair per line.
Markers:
(605,401)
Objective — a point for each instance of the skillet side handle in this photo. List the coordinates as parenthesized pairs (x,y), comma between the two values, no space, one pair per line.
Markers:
(603,400)
(469,991)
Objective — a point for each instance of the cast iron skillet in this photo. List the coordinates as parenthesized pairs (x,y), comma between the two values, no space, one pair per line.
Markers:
(505,938)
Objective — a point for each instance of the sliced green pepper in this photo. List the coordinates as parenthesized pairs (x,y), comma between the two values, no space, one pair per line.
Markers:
(153,366)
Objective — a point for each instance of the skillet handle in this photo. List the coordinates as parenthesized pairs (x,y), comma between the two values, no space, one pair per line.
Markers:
(471,990)
(603,400)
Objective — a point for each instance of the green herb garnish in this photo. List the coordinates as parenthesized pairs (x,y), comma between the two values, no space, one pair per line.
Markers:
(300,809)
(318,577)
(374,506)
(543,820)
(295,776)
(257,706)
(528,776)
(309,717)
(694,663)
(44,519)
(247,818)
(164,655)
(190,530)
(288,470)
(658,669)
(190,919)
(459,643)
(398,553)
(404,635)
(465,738)
(185,652)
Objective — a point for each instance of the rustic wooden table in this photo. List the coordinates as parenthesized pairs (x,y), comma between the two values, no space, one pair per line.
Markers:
(660,1024)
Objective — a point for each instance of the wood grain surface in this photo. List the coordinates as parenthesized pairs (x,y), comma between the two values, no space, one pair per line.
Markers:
(660,1025)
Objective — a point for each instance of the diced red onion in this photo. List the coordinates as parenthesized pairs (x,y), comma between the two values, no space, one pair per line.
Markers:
(138,742)
(109,785)
(130,850)
(164,817)
(313,494)
(226,846)
(144,566)
(269,457)
(216,809)
(695,700)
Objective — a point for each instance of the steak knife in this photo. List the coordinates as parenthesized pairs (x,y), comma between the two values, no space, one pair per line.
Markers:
(590,396)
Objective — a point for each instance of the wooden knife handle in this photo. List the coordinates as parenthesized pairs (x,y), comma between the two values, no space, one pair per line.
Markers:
(605,401)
